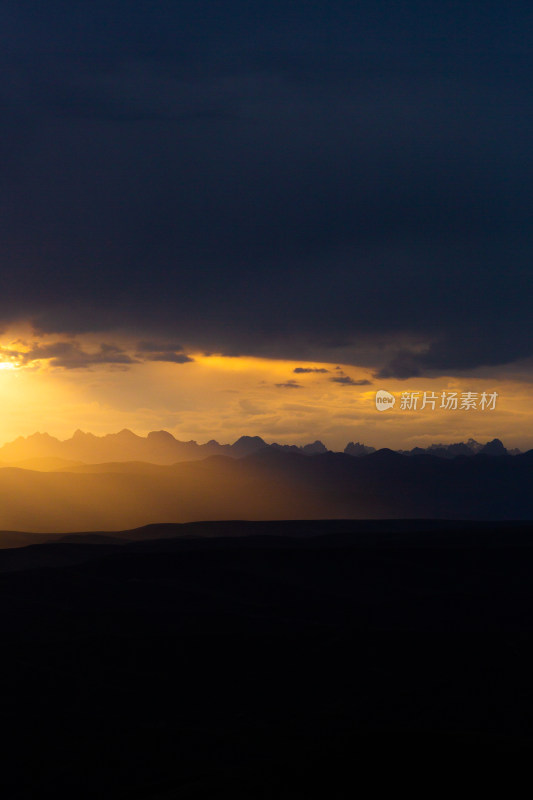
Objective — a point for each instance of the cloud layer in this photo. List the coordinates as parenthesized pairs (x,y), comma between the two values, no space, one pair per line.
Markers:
(273,184)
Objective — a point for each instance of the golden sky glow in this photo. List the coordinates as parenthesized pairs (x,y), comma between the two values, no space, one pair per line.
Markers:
(223,397)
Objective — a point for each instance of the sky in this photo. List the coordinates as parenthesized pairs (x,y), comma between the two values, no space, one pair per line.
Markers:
(198,198)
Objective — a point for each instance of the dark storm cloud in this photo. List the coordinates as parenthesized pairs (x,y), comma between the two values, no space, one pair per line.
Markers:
(162,351)
(347,381)
(71,355)
(175,358)
(276,181)
(158,346)
(305,370)
(403,364)
(289,385)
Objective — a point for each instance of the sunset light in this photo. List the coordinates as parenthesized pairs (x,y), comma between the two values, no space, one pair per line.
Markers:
(266,398)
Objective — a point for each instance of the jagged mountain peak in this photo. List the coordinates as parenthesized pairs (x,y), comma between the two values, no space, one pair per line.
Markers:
(165,436)
(80,435)
(125,433)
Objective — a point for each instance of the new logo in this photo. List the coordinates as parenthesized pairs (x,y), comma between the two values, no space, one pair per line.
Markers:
(384,400)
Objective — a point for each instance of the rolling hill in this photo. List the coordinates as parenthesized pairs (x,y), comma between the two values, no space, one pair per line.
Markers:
(269,484)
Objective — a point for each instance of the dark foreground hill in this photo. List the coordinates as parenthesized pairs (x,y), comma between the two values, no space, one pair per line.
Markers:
(270,484)
(291,660)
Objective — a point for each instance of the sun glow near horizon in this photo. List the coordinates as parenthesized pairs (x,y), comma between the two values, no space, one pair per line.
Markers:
(223,397)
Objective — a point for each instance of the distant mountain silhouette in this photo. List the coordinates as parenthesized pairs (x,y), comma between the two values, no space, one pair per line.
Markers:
(159,447)
(357,449)
(469,448)
(307,449)
(44,452)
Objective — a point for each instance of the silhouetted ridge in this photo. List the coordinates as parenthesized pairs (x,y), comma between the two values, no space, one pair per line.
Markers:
(248,444)
(267,484)
(357,449)
(386,454)
(161,447)
(494,448)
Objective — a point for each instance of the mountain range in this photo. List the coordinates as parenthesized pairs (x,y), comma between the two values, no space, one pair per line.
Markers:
(42,451)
